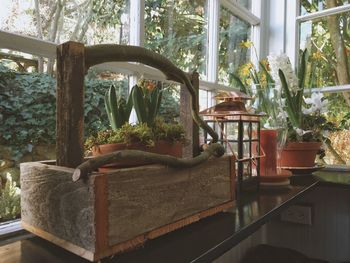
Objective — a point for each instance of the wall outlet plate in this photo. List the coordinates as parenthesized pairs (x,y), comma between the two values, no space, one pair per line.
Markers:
(299,214)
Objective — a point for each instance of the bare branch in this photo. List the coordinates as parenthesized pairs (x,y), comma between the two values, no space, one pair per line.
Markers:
(106,53)
(84,169)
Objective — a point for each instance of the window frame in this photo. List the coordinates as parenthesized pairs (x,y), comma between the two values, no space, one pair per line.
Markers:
(293,21)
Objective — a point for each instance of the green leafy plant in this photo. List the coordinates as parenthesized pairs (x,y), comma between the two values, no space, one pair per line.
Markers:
(294,100)
(139,133)
(117,108)
(304,116)
(146,97)
(10,207)
(257,82)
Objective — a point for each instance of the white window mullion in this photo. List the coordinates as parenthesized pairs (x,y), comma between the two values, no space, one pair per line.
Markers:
(292,29)
(137,22)
(137,36)
(260,38)
(212,46)
(324,13)
(213,40)
(256,33)
(277,29)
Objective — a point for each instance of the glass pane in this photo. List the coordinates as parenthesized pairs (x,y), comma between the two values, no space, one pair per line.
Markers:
(232,147)
(339,113)
(254,130)
(203,99)
(329,68)
(326,67)
(178,30)
(311,6)
(232,130)
(170,105)
(247,131)
(247,170)
(232,32)
(246,150)
(246,3)
(86,21)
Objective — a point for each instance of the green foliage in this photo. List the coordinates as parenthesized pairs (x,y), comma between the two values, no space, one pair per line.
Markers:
(171,132)
(118,110)
(28,111)
(294,101)
(139,133)
(231,54)
(10,207)
(177,29)
(146,98)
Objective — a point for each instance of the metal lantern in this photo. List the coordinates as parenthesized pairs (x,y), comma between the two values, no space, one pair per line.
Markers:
(239,132)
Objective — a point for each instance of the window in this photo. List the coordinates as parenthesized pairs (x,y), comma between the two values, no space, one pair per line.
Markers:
(323,31)
(232,32)
(316,36)
(177,30)
(88,21)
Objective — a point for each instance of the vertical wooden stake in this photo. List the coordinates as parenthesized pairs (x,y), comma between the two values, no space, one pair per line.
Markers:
(191,128)
(70,104)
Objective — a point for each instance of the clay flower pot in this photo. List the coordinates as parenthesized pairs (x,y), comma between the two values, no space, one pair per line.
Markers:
(161,147)
(300,154)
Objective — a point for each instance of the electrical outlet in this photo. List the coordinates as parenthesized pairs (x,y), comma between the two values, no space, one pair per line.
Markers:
(299,214)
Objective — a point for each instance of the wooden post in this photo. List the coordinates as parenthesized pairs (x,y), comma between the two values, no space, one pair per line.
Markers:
(70,104)
(191,128)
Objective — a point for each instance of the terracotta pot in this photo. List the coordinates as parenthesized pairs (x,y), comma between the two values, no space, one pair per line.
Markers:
(268,142)
(161,147)
(300,154)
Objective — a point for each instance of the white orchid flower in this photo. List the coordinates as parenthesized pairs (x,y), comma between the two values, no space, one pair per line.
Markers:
(318,104)
(301,132)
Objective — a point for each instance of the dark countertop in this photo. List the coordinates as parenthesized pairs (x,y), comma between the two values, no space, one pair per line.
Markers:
(203,241)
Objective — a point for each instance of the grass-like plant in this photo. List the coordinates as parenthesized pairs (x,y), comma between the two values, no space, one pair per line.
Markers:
(118,109)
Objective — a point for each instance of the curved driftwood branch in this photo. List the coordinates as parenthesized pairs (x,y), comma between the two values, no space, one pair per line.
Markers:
(98,54)
(84,169)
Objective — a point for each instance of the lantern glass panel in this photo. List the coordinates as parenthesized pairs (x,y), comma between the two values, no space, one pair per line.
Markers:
(247,170)
(254,130)
(247,131)
(246,150)
(231,131)
(233,146)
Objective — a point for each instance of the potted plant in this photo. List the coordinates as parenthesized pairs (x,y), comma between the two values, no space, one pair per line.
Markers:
(257,82)
(306,123)
(151,133)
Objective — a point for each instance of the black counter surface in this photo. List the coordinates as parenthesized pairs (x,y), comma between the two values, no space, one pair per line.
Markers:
(203,241)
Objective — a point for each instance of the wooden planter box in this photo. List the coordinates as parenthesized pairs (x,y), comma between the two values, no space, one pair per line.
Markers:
(119,210)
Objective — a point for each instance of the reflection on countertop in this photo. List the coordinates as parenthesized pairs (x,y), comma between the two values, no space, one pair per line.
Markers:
(203,241)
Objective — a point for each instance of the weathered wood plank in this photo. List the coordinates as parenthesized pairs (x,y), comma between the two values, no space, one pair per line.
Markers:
(70,104)
(191,128)
(119,210)
(53,203)
(145,198)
